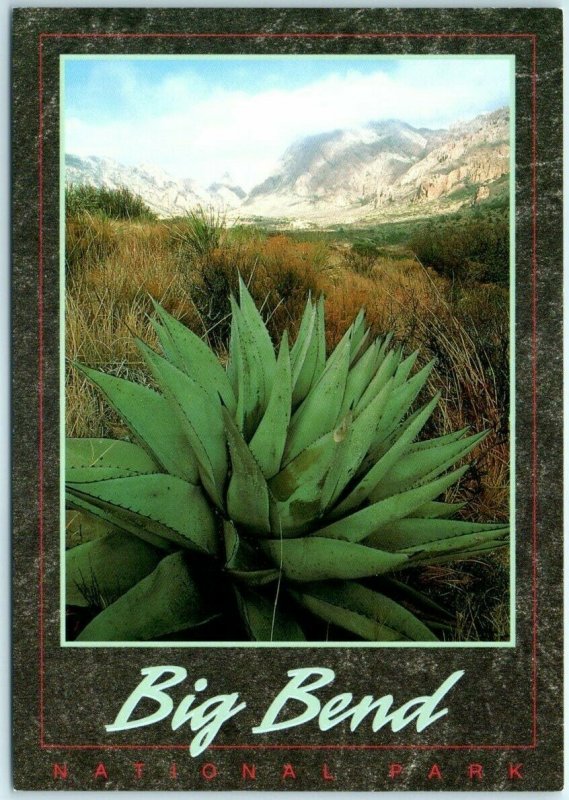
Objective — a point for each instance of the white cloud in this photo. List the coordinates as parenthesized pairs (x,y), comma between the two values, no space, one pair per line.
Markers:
(189,133)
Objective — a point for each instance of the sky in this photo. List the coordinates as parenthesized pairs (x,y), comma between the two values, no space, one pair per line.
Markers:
(202,117)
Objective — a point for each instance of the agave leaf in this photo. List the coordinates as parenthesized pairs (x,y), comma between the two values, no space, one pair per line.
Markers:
(199,411)
(437,441)
(250,377)
(97,459)
(193,356)
(419,600)
(477,539)
(262,622)
(247,493)
(401,401)
(361,524)
(359,377)
(310,363)
(384,372)
(403,370)
(359,349)
(313,558)
(298,349)
(373,477)
(308,468)
(358,331)
(166,505)
(360,436)
(319,412)
(244,561)
(368,614)
(268,442)
(100,571)
(462,554)
(422,465)
(340,465)
(303,489)
(166,601)
(149,417)
(436,510)
(416,534)
(232,359)
(118,521)
(383,350)
(261,341)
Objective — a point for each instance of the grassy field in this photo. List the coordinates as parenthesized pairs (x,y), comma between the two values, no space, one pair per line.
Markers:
(116,263)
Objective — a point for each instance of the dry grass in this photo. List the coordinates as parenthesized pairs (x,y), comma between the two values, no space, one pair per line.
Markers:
(116,267)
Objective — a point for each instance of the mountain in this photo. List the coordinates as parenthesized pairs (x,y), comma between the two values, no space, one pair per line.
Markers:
(161,192)
(227,191)
(385,168)
(382,170)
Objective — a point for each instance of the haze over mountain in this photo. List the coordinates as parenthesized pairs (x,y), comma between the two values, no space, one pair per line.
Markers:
(383,169)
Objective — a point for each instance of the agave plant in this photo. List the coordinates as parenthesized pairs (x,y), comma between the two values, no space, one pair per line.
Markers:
(285,490)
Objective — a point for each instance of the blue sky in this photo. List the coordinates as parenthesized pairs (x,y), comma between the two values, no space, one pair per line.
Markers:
(201,117)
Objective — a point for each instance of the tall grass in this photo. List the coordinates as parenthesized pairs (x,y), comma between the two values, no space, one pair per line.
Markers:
(116,266)
(118,203)
(469,250)
(199,233)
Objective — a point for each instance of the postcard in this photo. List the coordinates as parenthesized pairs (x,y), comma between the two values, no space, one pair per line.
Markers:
(287,399)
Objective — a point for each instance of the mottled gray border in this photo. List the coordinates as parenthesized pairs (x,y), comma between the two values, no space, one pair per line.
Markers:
(360,768)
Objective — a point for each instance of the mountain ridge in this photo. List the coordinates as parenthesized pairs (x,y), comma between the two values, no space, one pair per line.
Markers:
(386,168)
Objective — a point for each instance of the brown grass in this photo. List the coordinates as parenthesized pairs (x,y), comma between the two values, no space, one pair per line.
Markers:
(115,268)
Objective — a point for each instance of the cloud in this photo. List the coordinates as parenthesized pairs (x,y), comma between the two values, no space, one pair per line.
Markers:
(189,131)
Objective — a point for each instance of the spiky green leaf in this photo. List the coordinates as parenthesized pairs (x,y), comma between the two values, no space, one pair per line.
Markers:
(166,601)
(97,459)
(319,412)
(266,620)
(149,417)
(268,442)
(193,356)
(358,526)
(199,412)
(370,615)
(165,505)
(422,465)
(100,571)
(313,558)
(406,535)
(247,493)
(310,361)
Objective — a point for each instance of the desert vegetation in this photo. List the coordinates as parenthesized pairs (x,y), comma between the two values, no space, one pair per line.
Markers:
(441,288)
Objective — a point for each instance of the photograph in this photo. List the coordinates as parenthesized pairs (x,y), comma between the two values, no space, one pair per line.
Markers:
(287,354)
(286,297)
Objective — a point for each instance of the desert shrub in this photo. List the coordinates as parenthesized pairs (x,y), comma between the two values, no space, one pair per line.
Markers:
(198,234)
(278,271)
(483,311)
(89,239)
(362,256)
(113,203)
(466,250)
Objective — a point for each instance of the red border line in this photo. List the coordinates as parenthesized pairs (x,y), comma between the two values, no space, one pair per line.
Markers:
(534,454)
(127,35)
(40,392)
(186,747)
(534,352)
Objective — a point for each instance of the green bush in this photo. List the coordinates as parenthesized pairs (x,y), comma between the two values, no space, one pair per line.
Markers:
(110,203)
(473,249)
(199,233)
(362,256)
